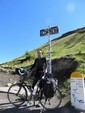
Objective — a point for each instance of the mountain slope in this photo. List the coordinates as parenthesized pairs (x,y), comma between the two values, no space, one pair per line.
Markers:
(70,44)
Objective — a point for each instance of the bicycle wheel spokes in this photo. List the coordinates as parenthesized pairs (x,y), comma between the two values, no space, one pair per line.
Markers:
(53,102)
(17,94)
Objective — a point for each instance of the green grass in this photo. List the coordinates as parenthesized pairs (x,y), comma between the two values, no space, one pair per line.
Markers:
(71,45)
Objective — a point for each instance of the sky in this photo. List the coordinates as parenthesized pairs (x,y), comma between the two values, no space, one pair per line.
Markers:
(22,20)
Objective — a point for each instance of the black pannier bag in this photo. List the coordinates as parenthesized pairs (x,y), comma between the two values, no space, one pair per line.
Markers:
(50,85)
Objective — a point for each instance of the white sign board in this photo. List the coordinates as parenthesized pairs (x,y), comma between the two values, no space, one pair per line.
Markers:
(77,91)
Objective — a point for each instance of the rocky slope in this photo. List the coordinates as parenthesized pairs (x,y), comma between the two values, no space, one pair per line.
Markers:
(7,78)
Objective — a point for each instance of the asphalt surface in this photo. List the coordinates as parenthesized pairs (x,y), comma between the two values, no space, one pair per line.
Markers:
(12,109)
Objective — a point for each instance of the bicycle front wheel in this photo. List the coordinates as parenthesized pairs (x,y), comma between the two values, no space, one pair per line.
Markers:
(17,94)
(53,102)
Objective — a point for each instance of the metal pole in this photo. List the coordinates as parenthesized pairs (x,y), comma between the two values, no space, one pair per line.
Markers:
(49,31)
(49,53)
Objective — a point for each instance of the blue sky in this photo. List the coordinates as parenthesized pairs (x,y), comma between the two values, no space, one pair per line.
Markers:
(22,20)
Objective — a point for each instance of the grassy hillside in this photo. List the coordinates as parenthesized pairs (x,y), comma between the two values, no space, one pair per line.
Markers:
(70,44)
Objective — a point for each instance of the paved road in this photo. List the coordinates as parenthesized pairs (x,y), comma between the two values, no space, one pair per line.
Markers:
(6,107)
(11,109)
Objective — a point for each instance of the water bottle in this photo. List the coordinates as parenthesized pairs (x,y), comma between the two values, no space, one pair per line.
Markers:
(35,90)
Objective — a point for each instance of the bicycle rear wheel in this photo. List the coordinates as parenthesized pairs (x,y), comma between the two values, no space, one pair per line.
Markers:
(17,94)
(53,102)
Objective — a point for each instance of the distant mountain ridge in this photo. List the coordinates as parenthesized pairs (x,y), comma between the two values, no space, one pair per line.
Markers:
(80,30)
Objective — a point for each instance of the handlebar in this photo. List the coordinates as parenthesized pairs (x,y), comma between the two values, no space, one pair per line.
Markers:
(22,71)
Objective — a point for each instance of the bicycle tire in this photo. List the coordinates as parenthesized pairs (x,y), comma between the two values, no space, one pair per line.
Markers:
(55,101)
(17,94)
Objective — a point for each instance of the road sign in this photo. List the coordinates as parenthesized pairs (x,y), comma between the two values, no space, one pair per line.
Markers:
(49,31)
(43,32)
(53,30)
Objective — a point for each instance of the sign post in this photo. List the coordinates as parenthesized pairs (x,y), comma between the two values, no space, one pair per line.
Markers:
(49,31)
(77,91)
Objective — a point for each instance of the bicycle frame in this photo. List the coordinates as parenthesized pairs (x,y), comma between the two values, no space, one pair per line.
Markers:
(28,87)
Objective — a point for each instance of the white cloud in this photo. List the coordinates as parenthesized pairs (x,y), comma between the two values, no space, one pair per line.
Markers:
(70,7)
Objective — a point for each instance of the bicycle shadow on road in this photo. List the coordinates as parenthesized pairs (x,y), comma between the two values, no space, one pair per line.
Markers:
(63,109)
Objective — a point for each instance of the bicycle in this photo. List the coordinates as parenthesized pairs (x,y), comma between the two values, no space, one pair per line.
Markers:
(19,93)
